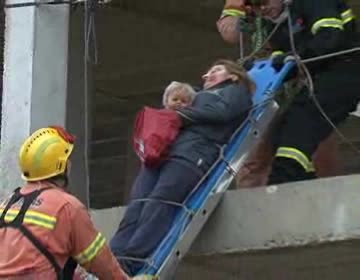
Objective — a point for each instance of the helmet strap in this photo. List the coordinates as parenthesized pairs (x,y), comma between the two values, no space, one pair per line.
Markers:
(61,181)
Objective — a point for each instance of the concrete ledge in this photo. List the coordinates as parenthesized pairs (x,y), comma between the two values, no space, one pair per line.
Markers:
(282,216)
(331,261)
(304,230)
(276,216)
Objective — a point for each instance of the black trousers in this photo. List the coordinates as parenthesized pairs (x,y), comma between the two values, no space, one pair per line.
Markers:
(303,127)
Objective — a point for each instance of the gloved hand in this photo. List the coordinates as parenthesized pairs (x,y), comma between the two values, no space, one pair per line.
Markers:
(246,63)
(279,60)
(249,64)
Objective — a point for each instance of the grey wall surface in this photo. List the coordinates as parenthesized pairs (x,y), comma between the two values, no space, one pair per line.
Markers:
(142,47)
(38,88)
(306,230)
(35,79)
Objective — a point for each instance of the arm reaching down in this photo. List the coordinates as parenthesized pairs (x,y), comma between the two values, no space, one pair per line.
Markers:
(105,266)
(90,250)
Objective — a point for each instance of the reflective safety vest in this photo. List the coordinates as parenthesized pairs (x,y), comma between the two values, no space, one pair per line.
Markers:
(17,219)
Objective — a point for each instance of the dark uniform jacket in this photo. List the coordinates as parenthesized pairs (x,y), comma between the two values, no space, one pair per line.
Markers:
(319,27)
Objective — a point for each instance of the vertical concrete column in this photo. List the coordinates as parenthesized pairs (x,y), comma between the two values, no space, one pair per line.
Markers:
(35,84)
(79,109)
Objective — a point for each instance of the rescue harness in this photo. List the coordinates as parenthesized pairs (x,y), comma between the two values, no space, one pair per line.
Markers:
(17,223)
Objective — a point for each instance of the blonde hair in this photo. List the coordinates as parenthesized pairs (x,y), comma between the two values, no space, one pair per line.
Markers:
(176,86)
(237,70)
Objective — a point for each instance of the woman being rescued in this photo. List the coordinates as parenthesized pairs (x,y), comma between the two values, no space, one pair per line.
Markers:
(217,110)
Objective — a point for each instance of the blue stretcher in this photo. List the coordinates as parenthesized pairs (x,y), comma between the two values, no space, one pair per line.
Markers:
(199,205)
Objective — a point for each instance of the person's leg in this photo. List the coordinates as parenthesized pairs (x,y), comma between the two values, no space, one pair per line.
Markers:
(175,182)
(326,159)
(256,168)
(142,187)
(304,126)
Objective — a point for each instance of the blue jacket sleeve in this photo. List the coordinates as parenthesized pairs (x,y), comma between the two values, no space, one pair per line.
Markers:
(233,102)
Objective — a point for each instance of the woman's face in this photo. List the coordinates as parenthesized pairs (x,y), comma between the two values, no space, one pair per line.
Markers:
(215,75)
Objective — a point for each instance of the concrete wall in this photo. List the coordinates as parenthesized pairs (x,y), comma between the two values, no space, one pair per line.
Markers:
(143,46)
(2,34)
(35,80)
(332,261)
(138,56)
(38,88)
(307,230)
(292,214)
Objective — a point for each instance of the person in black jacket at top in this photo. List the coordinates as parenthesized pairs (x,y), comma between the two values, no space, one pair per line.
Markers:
(217,110)
(319,27)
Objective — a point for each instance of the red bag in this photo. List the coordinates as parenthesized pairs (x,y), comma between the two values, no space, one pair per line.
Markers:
(154,131)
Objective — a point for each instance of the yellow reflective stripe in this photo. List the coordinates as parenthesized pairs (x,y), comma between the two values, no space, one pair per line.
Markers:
(327,22)
(233,13)
(347,16)
(297,155)
(275,53)
(92,250)
(148,277)
(32,217)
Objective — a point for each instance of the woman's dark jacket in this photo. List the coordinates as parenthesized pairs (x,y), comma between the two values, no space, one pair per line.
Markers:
(209,123)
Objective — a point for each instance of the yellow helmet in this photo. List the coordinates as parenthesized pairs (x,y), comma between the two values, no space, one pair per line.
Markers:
(45,153)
